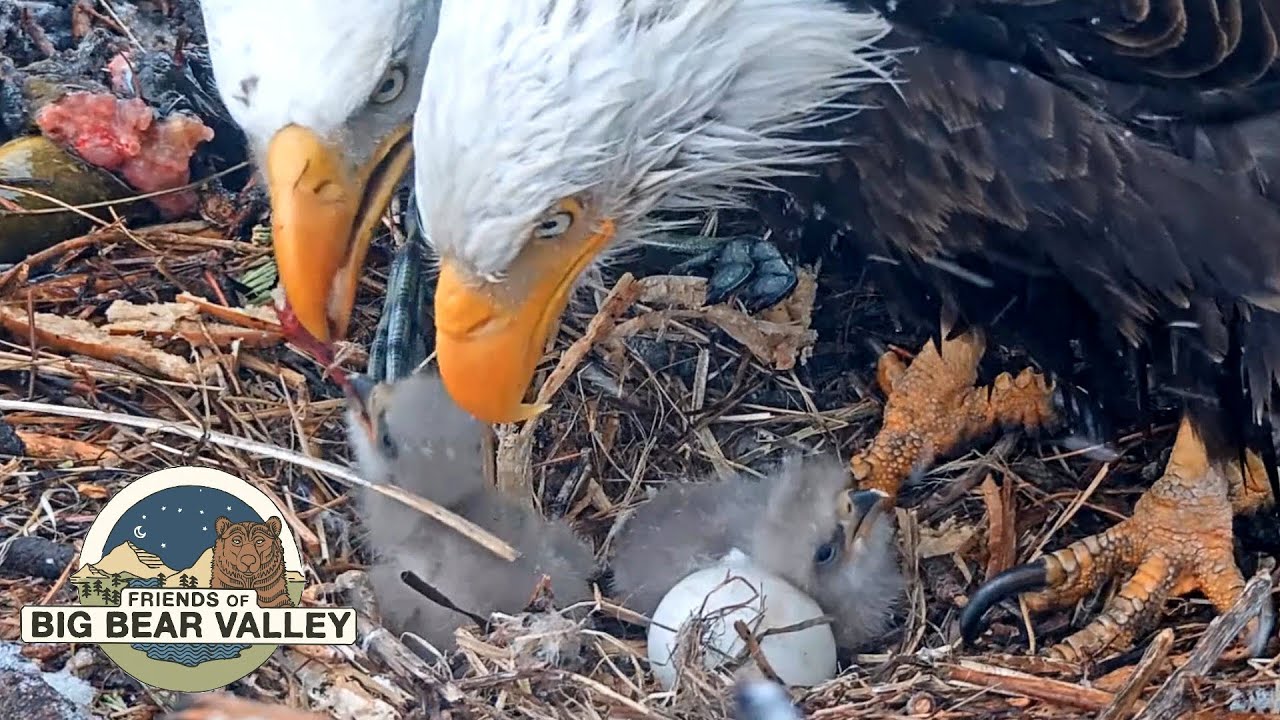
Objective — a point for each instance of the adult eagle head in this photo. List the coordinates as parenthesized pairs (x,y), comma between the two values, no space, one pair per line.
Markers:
(552,130)
(324,90)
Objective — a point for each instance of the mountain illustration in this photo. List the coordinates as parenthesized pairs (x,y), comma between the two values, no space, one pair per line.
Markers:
(201,570)
(126,558)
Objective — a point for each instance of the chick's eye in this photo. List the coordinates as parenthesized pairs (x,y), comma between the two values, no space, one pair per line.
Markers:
(553,225)
(391,85)
(387,444)
(825,553)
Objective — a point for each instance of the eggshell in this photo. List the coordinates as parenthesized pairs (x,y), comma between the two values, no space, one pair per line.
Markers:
(736,589)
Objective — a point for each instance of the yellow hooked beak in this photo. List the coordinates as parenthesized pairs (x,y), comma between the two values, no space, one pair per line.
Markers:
(323,214)
(490,337)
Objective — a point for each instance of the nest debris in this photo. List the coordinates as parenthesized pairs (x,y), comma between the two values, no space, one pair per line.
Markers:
(646,387)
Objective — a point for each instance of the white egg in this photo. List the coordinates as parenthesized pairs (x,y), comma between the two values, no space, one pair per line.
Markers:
(736,589)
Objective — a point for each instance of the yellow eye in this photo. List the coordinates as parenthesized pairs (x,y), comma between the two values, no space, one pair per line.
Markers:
(391,86)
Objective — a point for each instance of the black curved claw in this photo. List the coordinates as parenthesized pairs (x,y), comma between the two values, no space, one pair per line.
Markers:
(1083,423)
(400,343)
(1015,580)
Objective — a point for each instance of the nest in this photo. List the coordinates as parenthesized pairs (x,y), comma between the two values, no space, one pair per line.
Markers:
(133,349)
(647,386)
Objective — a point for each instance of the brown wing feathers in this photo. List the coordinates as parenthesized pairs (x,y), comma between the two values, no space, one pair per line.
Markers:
(989,182)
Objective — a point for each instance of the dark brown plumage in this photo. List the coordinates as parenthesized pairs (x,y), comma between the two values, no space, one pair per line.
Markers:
(1091,181)
(789,523)
(410,434)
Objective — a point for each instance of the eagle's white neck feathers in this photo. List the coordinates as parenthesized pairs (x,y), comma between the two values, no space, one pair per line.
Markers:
(637,105)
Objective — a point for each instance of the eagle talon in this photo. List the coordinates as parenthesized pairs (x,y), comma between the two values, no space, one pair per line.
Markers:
(1178,540)
(934,408)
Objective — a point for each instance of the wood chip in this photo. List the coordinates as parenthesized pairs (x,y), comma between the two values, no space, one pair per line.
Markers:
(80,336)
(1012,682)
(1001,521)
(262,317)
(948,538)
(224,706)
(1151,663)
(52,447)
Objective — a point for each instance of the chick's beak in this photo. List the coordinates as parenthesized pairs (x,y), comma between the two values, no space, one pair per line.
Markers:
(861,512)
(323,213)
(490,336)
(360,390)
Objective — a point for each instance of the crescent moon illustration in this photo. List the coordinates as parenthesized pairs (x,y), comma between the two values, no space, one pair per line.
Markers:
(137,532)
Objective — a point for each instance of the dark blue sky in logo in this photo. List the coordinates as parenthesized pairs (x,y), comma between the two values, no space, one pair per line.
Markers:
(177,523)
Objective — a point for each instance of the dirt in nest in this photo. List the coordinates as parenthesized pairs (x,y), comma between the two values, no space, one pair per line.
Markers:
(126,86)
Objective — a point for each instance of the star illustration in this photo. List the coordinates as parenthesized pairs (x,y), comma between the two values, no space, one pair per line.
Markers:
(228,508)
(175,528)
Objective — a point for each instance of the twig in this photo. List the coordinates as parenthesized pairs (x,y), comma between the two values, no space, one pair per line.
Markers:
(473,532)
(1014,683)
(67,207)
(753,649)
(1166,704)
(1152,660)
(946,499)
(513,465)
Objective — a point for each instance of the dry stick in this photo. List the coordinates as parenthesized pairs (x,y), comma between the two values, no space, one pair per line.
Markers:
(473,532)
(1014,683)
(946,499)
(1152,660)
(513,468)
(756,652)
(1166,704)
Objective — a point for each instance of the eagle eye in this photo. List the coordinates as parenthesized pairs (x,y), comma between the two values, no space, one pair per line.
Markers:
(391,86)
(553,225)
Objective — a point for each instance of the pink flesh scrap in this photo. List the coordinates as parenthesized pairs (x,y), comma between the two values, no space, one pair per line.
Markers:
(122,136)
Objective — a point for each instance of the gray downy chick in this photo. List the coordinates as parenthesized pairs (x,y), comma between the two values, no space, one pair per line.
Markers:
(410,434)
(802,523)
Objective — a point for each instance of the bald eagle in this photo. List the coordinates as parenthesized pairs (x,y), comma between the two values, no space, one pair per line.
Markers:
(325,92)
(1066,174)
